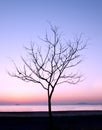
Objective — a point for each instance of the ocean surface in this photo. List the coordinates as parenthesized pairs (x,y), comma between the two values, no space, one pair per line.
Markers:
(31,108)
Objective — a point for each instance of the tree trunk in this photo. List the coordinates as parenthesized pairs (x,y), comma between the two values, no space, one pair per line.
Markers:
(50,114)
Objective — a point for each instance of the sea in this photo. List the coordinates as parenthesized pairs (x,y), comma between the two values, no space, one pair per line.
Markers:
(36,108)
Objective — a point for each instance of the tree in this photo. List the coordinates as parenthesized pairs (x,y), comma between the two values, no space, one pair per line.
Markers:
(53,67)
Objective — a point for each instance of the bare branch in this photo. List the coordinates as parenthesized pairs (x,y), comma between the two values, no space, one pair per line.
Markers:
(53,65)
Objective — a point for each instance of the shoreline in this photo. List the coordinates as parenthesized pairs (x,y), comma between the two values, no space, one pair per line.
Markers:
(62,120)
(54,113)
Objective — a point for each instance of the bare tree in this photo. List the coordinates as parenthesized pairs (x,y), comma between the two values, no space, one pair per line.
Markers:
(52,67)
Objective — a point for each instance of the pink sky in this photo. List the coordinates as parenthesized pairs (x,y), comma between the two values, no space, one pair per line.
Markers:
(24,21)
(21,92)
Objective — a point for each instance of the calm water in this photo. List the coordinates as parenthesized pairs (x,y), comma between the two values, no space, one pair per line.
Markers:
(19,108)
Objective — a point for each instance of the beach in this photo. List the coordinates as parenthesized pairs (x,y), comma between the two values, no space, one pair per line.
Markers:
(62,120)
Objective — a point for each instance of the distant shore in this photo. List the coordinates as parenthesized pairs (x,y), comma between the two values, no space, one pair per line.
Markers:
(63,120)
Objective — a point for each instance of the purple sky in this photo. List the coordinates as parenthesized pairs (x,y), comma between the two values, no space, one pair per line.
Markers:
(22,21)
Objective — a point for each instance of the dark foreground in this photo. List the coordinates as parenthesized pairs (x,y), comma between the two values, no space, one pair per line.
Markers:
(73,120)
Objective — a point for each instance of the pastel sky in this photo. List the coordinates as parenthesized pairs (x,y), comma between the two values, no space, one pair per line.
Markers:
(23,21)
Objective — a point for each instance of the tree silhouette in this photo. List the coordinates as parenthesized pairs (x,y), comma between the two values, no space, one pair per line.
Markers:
(52,67)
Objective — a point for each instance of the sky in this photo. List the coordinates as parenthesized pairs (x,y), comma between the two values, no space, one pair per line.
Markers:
(23,21)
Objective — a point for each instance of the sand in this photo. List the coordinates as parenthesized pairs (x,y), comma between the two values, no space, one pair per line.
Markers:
(62,120)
